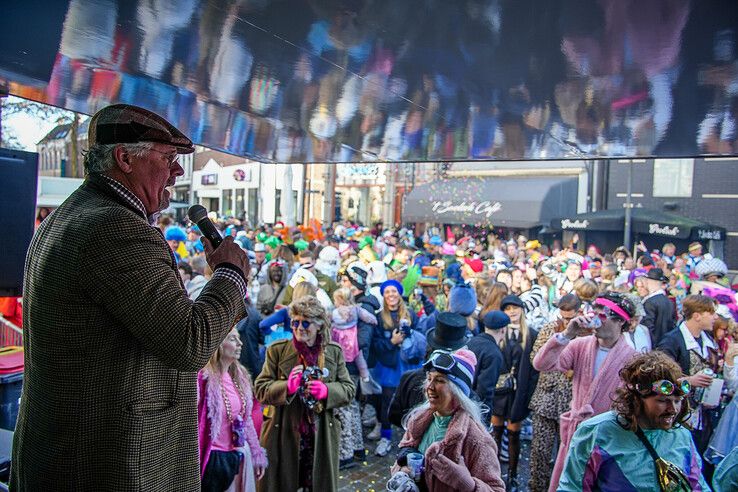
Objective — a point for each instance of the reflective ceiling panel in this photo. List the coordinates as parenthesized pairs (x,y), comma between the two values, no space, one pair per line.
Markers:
(395,80)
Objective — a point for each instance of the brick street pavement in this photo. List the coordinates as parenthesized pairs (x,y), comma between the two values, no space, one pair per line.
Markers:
(372,475)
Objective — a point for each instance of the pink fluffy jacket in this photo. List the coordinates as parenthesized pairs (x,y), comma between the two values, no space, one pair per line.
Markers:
(591,395)
(464,437)
(210,412)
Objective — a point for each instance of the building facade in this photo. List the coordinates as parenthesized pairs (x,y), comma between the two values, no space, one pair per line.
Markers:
(704,189)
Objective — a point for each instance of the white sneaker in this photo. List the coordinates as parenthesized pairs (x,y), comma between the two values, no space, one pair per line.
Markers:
(375,433)
(384,447)
(369,416)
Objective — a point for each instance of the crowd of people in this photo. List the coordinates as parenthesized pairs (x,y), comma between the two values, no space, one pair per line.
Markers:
(619,369)
(150,350)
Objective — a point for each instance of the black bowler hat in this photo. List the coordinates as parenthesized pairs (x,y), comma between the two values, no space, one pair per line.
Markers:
(449,333)
(656,274)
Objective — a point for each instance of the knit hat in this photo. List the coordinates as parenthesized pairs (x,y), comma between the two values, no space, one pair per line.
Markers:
(476,265)
(391,283)
(494,320)
(458,366)
(462,299)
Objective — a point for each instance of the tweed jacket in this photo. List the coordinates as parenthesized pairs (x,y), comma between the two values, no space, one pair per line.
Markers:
(112,349)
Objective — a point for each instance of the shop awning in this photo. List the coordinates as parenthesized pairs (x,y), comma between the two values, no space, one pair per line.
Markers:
(519,203)
(643,221)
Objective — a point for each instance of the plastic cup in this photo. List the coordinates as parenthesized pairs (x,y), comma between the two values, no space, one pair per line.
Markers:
(415,464)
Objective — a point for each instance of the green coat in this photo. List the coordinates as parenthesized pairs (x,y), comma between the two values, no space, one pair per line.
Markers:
(279,434)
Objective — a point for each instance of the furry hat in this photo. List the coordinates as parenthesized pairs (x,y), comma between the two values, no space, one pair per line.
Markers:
(462,299)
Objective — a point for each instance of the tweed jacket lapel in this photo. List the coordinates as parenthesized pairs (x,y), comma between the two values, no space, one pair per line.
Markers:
(99,185)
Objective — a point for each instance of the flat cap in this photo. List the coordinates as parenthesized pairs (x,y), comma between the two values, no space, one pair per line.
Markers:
(124,123)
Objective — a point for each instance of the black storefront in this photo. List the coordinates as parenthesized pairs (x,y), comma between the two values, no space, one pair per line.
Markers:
(605,229)
(522,203)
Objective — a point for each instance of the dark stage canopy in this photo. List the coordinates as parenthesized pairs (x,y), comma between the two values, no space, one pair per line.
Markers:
(492,201)
(394,80)
(644,222)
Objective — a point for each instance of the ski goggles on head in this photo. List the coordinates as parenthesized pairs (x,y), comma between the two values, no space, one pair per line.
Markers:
(665,387)
(440,360)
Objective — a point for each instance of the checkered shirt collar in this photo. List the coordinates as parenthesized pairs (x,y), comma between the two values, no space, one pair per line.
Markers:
(126,194)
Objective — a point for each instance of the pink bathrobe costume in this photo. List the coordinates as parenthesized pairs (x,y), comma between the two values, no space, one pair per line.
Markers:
(591,395)
(210,414)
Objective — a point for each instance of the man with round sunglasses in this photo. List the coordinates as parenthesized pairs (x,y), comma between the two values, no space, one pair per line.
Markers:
(594,348)
(642,444)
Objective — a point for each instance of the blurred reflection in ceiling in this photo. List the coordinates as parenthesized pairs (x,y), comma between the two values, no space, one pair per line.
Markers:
(410,80)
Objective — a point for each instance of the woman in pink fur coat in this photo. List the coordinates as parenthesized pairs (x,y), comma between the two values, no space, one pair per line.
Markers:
(229,420)
(595,349)
(459,453)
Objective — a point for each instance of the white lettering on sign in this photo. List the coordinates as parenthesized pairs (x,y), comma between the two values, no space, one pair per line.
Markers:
(477,208)
(663,230)
(574,224)
(713,235)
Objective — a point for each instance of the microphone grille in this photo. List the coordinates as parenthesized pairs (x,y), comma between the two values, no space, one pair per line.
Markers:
(196,213)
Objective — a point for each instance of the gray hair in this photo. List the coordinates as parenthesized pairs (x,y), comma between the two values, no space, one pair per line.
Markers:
(640,311)
(198,264)
(99,158)
(472,408)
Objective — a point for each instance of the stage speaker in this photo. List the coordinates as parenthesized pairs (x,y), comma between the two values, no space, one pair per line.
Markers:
(18,182)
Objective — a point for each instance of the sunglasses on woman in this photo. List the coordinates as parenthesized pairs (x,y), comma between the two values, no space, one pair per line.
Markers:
(296,323)
(666,388)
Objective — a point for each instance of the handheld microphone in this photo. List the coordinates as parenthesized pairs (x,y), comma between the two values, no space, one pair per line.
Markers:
(199,216)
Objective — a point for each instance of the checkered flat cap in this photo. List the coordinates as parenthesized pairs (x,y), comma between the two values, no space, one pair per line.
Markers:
(124,123)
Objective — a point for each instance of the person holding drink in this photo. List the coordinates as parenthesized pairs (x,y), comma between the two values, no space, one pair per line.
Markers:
(594,348)
(446,446)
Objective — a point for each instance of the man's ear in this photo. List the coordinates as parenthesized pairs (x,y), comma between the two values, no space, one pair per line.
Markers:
(122,159)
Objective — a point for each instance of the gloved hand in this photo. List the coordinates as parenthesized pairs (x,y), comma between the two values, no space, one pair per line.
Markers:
(428,306)
(318,389)
(293,380)
(455,475)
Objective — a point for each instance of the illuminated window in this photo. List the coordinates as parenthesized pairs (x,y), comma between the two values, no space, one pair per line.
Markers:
(672,178)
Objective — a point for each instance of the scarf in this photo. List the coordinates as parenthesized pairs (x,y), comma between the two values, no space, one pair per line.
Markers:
(308,355)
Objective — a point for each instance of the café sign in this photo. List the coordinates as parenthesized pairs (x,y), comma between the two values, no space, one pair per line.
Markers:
(709,235)
(663,230)
(574,224)
(485,208)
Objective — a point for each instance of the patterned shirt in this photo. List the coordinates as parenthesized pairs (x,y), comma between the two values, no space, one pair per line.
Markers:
(226,272)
